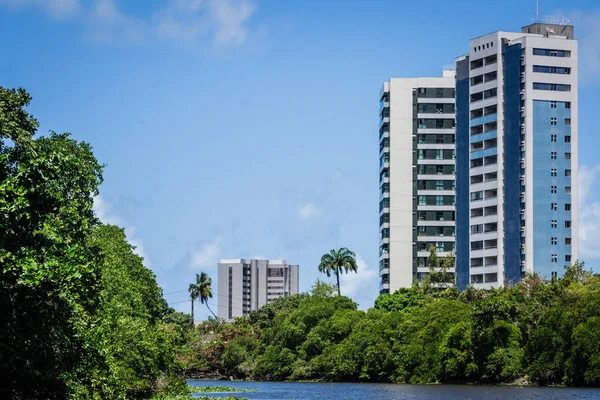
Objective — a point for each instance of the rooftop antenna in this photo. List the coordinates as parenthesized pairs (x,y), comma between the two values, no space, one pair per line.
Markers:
(537,10)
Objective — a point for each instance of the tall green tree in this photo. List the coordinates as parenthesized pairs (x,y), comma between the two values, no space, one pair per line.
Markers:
(201,290)
(129,328)
(48,276)
(439,276)
(337,262)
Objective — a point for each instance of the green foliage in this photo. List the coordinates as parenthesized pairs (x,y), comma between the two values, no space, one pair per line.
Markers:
(48,276)
(544,330)
(218,389)
(129,326)
(439,276)
(401,299)
(80,316)
(170,396)
(321,288)
(337,262)
(201,290)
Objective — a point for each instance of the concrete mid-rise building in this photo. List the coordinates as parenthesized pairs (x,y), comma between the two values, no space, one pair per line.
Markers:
(416,176)
(517,138)
(247,285)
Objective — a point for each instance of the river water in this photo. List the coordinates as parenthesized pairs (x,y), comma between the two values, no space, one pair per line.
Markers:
(373,391)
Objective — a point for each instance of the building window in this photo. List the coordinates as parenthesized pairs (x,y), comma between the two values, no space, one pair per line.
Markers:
(567,172)
(554,275)
(553,172)
(553,241)
(567,156)
(567,189)
(553,206)
(553,138)
(554,258)
(552,189)
(552,121)
(551,70)
(476,196)
(552,104)
(567,241)
(553,155)
(567,224)
(568,207)
(568,258)
(551,52)
(567,121)
(568,104)
(567,139)
(553,223)
(555,87)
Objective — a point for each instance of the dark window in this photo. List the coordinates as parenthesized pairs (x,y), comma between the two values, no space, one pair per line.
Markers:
(551,70)
(551,53)
(551,86)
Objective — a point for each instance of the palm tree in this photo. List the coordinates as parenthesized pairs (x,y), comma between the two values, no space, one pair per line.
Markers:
(201,289)
(337,262)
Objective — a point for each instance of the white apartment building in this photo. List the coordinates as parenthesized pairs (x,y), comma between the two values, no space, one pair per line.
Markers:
(247,285)
(517,138)
(416,176)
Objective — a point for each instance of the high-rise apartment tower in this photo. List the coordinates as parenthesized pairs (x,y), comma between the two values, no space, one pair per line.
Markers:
(516,100)
(416,176)
(247,285)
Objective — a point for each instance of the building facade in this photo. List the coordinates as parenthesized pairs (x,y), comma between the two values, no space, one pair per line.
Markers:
(517,137)
(416,176)
(247,285)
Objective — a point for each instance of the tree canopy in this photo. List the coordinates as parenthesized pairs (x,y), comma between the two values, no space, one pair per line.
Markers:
(80,316)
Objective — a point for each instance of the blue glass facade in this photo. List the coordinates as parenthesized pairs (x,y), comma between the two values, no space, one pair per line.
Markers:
(462,173)
(512,165)
(551,186)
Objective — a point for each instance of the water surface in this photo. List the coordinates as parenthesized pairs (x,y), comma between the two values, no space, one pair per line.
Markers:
(375,391)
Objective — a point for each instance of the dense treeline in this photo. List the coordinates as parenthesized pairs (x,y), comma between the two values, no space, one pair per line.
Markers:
(543,331)
(80,316)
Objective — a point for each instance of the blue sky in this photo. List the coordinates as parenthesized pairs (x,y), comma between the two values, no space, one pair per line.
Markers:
(249,128)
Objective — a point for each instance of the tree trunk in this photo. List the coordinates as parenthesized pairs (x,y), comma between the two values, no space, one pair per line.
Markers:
(337,275)
(211,311)
(192,312)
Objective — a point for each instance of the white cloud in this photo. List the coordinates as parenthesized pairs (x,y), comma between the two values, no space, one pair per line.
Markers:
(191,19)
(307,211)
(54,8)
(104,214)
(226,21)
(206,255)
(230,18)
(107,24)
(589,214)
(363,286)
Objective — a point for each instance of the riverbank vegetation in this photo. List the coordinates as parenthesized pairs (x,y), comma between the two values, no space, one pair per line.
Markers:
(80,315)
(543,331)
